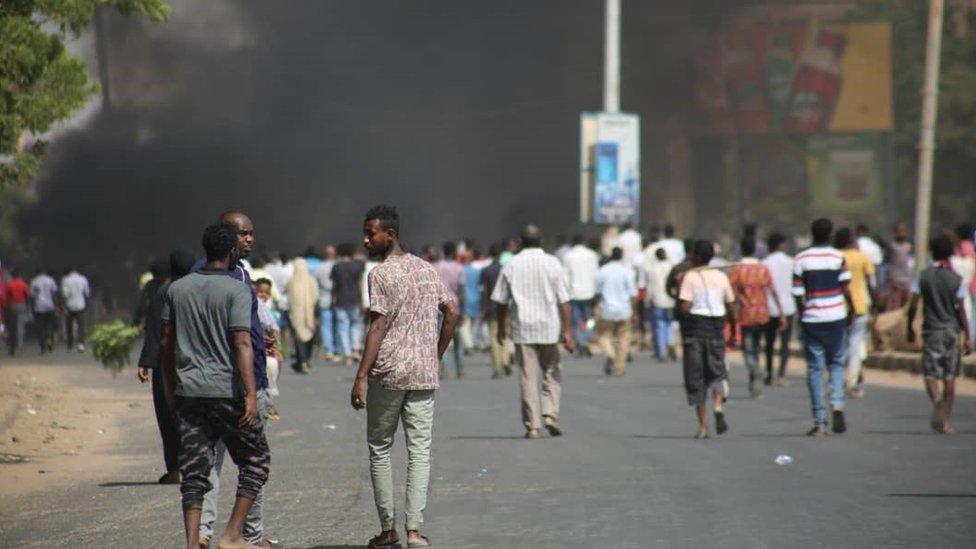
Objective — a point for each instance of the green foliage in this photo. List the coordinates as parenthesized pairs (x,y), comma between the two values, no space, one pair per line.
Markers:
(112,342)
(40,82)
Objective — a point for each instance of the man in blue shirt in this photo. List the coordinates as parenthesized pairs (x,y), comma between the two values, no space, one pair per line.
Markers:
(616,294)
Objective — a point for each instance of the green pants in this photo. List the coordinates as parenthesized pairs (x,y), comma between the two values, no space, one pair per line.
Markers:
(384,409)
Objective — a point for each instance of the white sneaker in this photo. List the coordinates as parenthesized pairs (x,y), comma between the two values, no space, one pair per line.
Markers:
(81,347)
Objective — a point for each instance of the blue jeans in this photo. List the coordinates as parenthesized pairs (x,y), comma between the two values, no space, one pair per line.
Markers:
(327,330)
(662,324)
(825,347)
(580,309)
(348,323)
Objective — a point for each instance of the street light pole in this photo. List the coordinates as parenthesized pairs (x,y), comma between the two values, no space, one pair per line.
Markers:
(611,70)
(926,143)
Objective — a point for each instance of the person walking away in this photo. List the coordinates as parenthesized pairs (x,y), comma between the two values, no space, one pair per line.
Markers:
(673,247)
(534,285)
(75,291)
(398,373)
(208,363)
(752,281)
(323,276)
(180,264)
(705,298)
(630,241)
(875,254)
(272,332)
(963,262)
(861,287)
(900,268)
(500,357)
(473,314)
(821,288)
(943,326)
(782,308)
(16,297)
(616,296)
(303,295)
(346,300)
(452,275)
(44,306)
(661,305)
(582,265)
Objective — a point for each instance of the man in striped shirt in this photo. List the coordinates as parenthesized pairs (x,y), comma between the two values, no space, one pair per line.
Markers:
(533,284)
(820,287)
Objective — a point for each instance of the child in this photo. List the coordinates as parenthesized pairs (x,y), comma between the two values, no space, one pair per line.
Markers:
(944,323)
(267,314)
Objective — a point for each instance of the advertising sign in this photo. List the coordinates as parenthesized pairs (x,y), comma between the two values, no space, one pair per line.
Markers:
(609,168)
(845,174)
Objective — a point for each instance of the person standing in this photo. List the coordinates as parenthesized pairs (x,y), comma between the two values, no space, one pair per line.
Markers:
(535,284)
(782,309)
(180,264)
(900,268)
(75,291)
(873,251)
(861,285)
(500,356)
(823,298)
(452,275)
(208,362)
(582,265)
(472,327)
(44,306)
(346,300)
(944,325)
(630,241)
(705,300)
(963,261)
(616,296)
(398,373)
(303,296)
(323,275)
(272,332)
(674,247)
(16,295)
(661,305)
(752,282)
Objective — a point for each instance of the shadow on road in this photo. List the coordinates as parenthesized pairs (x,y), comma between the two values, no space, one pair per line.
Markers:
(334,547)
(117,484)
(488,437)
(925,433)
(667,437)
(774,435)
(930,495)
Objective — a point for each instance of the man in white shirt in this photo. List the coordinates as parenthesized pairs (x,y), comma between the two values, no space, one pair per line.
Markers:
(533,284)
(673,247)
(780,265)
(661,305)
(629,241)
(75,291)
(616,295)
(44,303)
(581,264)
(870,247)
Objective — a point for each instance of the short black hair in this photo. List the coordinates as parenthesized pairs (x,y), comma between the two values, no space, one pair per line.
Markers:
(219,240)
(689,244)
(669,230)
(862,229)
(450,250)
(748,245)
(495,249)
(774,241)
(346,249)
(159,269)
(388,217)
(704,250)
(262,280)
(310,251)
(578,239)
(181,263)
(617,253)
(942,248)
(821,229)
(661,254)
(843,238)
(965,231)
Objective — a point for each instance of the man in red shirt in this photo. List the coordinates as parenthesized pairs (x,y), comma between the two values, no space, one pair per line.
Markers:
(15,296)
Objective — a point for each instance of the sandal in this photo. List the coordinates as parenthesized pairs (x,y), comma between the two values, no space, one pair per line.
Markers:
(386,540)
(424,541)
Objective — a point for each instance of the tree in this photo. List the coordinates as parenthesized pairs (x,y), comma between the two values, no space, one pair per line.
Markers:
(40,82)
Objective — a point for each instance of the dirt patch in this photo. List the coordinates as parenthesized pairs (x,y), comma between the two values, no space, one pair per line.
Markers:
(53,432)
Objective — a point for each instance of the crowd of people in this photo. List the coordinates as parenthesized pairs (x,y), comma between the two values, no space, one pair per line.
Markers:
(217,330)
(53,311)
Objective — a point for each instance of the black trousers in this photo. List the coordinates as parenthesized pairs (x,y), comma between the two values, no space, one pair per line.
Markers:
(772,330)
(166,421)
(47,325)
(76,327)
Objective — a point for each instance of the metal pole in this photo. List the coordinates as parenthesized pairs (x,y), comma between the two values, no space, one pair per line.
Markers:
(611,70)
(926,143)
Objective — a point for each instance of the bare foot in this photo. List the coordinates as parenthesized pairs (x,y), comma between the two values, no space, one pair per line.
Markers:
(416,539)
(702,432)
(232,543)
(947,428)
(938,420)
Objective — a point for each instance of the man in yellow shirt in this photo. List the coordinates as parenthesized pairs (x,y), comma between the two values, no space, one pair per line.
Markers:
(861,285)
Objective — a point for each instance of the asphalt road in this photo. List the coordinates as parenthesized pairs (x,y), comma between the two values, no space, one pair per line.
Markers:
(626,474)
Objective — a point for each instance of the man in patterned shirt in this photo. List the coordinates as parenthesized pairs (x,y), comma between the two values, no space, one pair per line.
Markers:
(401,362)
(536,285)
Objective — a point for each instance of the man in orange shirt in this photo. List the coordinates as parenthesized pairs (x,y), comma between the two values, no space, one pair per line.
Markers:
(751,281)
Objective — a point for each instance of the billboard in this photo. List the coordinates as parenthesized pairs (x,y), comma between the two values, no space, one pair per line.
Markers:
(763,75)
(845,173)
(609,168)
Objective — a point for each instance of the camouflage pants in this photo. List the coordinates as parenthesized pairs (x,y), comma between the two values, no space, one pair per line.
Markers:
(204,421)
